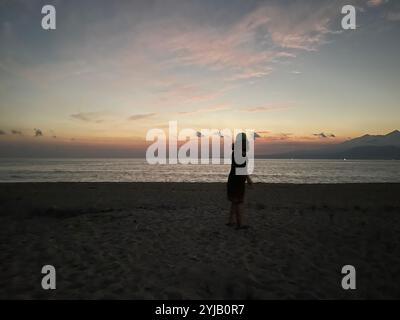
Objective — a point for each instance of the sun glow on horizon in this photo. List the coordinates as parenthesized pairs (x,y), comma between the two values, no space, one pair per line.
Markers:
(282,69)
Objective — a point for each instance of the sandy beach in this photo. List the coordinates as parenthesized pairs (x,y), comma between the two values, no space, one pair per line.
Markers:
(169,241)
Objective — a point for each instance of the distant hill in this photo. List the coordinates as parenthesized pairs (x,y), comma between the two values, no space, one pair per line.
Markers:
(390,139)
(365,147)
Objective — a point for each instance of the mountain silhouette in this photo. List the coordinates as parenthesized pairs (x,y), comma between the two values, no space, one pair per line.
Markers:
(365,147)
(390,139)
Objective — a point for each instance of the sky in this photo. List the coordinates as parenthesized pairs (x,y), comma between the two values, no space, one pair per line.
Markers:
(112,70)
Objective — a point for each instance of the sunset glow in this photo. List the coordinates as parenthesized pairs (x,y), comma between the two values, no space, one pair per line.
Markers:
(113,70)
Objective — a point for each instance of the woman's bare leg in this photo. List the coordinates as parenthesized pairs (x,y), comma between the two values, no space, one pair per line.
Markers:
(239,214)
(232,214)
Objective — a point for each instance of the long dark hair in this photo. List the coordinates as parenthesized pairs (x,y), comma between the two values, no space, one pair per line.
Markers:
(241,142)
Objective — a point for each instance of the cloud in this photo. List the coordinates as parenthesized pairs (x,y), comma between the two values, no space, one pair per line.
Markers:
(88,116)
(262,134)
(270,107)
(321,135)
(285,136)
(38,132)
(2,132)
(16,132)
(375,3)
(141,116)
(206,110)
(291,26)
(248,47)
(248,74)
(279,137)
(238,46)
(324,135)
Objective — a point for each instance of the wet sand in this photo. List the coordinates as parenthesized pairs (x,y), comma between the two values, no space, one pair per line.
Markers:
(169,241)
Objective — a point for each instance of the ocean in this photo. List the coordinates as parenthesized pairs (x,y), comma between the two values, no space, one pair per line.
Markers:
(137,170)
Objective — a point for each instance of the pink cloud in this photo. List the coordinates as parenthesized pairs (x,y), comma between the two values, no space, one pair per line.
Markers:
(269,107)
(375,3)
(247,48)
(216,108)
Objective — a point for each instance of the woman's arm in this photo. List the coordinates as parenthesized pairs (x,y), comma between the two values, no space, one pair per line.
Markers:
(248,179)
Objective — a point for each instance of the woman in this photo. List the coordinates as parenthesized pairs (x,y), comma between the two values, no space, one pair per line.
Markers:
(237,179)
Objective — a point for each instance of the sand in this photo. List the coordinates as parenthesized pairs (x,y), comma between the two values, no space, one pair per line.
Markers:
(169,241)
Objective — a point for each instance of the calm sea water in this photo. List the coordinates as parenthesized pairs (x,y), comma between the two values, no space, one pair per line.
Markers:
(130,170)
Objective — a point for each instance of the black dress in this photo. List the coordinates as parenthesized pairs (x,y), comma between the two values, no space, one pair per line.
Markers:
(236,183)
